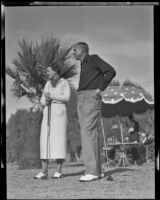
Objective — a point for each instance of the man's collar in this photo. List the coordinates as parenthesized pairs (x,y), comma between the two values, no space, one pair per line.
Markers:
(85,58)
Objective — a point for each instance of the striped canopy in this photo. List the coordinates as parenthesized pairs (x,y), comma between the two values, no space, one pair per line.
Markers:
(124,100)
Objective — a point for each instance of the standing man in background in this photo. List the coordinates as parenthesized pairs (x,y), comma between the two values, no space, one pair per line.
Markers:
(95,76)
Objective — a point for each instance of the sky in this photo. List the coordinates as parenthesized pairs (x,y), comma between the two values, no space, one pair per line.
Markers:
(121,35)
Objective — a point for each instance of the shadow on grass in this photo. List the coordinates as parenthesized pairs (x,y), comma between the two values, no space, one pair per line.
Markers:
(109,172)
(74,174)
(117,170)
(74,164)
(106,174)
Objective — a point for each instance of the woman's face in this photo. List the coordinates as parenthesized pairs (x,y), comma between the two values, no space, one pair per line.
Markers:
(51,74)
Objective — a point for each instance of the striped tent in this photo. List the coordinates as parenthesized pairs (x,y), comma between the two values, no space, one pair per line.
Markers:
(124,100)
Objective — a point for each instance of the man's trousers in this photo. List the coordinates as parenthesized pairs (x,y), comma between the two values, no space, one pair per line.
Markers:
(89,112)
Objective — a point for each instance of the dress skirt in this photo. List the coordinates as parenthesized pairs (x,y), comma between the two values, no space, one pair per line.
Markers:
(53,143)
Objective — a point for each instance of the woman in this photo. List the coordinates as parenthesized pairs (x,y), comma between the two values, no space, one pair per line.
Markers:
(53,136)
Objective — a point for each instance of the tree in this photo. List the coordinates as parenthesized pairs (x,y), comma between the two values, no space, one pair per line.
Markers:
(74,140)
(115,82)
(29,70)
(16,128)
(128,82)
(30,156)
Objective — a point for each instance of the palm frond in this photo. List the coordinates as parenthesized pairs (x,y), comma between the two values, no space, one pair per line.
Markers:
(48,49)
(31,62)
(68,71)
(17,91)
(61,56)
(26,59)
(12,72)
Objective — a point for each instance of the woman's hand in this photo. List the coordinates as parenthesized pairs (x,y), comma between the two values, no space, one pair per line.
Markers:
(48,99)
(47,102)
(47,95)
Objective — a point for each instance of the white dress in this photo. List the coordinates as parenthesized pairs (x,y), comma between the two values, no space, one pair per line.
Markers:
(53,143)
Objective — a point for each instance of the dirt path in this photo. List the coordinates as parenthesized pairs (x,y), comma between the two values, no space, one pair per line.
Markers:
(133,182)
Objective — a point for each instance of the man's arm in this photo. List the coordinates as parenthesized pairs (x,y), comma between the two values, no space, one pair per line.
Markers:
(106,69)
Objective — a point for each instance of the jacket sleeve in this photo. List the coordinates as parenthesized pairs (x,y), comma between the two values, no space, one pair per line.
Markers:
(106,69)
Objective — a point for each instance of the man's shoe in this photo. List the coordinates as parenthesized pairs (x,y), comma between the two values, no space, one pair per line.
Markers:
(88,177)
(41,175)
(57,175)
(101,175)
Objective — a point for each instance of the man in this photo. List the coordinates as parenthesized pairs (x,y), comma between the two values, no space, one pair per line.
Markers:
(133,130)
(95,76)
(138,152)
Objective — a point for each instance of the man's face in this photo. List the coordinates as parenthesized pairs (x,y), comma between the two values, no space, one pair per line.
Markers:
(77,52)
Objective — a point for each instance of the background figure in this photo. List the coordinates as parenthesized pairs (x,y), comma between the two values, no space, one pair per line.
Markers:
(138,152)
(143,137)
(133,130)
(53,142)
(95,76)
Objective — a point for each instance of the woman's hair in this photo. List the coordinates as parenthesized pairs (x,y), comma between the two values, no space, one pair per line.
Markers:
(83,45)
(56,69)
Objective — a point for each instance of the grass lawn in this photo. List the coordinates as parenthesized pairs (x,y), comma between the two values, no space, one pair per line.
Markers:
(133,182)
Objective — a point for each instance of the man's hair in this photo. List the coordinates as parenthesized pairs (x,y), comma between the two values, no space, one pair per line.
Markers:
(83,45)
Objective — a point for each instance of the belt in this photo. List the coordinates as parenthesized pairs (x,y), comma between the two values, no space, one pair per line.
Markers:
(57,102)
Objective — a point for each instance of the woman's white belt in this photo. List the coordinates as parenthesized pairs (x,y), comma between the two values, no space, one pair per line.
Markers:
(58,102)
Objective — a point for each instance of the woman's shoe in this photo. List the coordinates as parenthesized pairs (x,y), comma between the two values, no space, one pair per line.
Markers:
(41,175)
(57,175)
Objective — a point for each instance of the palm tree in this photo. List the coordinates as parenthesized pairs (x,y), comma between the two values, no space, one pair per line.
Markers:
(29,74)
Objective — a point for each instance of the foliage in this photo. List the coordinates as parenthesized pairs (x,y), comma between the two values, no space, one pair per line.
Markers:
(16,129)
(23,129)
(128,82)
(30,64)
(115,82)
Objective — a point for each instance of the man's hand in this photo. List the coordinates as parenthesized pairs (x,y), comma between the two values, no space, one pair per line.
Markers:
(98,92)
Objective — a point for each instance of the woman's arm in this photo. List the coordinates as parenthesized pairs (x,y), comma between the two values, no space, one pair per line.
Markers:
(43,98)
